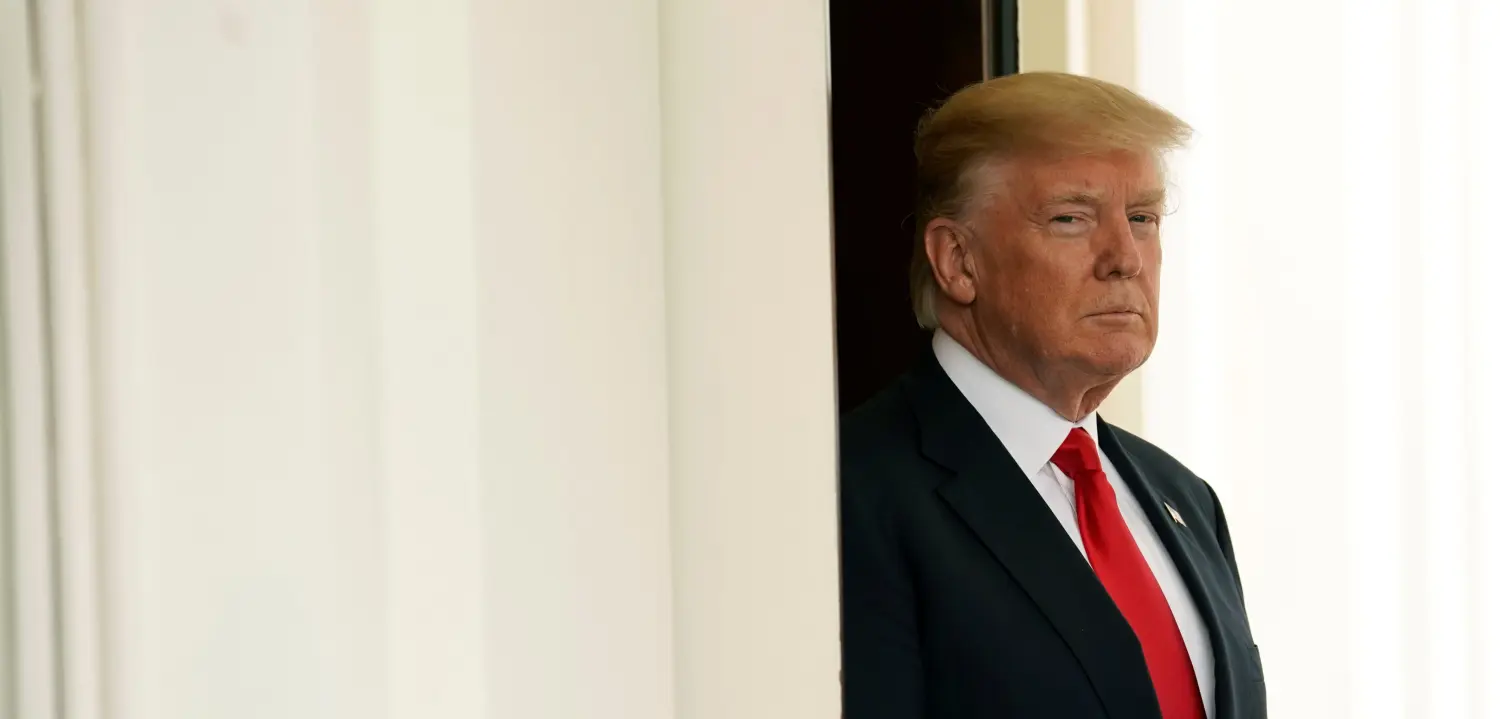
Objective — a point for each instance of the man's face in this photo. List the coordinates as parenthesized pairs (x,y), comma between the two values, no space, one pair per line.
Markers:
(1068,261)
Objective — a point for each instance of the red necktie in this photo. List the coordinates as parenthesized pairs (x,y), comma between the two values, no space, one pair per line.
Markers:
(1128,579)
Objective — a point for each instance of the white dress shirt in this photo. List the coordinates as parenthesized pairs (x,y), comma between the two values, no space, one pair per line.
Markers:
(1031,433)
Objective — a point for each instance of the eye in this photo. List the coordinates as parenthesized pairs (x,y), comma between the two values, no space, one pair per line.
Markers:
(1144,219)
(1069,225)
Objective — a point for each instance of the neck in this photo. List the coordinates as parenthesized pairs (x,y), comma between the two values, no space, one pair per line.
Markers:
(1069,393)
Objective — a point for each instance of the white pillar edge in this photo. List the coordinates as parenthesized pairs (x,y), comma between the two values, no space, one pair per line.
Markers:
(27,549)
(70,259)
(751,355)
(422,201)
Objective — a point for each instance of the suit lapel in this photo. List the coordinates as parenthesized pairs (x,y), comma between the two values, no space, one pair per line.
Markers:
(1188,554)
(991,494)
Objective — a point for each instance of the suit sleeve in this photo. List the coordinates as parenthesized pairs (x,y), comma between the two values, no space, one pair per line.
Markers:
(882,663)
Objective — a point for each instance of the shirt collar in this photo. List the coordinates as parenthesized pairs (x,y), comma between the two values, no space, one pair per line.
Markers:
(1031,431)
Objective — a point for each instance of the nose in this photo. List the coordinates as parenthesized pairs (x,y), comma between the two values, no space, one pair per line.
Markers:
(1116,252)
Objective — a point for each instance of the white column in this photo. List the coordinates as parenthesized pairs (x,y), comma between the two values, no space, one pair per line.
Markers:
(382,355)
(239,516)
(1043,38)
(430,397)
(749,289)
(385,418)
(573,360)
(28,600)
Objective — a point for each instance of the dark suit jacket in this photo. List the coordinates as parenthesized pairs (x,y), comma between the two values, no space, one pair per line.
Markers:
(964,598)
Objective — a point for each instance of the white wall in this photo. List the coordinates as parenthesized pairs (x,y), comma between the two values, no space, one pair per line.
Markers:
(573,358)
(436,378)
(751,364)
(246,533)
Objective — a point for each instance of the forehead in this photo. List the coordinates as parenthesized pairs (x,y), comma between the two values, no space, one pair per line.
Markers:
(1119,175)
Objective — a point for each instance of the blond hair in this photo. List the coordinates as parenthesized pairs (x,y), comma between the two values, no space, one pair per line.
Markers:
(1014,115)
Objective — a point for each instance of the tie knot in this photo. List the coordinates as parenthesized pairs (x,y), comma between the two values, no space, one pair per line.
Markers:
(1077,457)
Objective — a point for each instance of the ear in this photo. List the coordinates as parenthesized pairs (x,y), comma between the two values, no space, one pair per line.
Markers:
(949,252)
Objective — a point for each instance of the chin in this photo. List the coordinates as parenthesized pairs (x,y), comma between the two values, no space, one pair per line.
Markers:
(1120,357)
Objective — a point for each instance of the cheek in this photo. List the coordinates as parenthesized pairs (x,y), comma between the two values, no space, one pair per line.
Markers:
(1151,257)
(1151,269)
(1029,283)
(1042,266)
(1037,285)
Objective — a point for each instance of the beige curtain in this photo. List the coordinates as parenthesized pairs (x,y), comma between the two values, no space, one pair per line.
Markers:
(1329,343)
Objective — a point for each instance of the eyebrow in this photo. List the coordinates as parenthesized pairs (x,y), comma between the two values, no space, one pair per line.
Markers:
(1075,198)
(1151,197)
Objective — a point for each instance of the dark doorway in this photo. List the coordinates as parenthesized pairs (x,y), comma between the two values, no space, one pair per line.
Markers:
(892,60)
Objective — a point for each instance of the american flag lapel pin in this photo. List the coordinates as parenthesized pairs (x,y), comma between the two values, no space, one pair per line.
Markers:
(1172,512)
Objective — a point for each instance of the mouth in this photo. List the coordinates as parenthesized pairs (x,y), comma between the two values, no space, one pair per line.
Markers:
(1118,318)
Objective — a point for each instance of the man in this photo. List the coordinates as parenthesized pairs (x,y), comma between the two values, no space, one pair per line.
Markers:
(1006,553)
